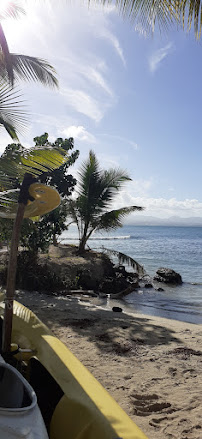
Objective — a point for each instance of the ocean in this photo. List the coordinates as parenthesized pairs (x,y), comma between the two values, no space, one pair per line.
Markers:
(179,248)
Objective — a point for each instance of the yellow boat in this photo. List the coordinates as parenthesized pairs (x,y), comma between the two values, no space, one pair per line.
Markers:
(73,403)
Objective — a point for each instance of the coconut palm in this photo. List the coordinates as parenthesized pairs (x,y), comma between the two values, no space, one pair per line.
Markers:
(14,66)
(25,167)
(96,192)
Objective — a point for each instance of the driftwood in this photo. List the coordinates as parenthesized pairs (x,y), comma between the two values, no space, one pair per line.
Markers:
(123,292)
(81,292)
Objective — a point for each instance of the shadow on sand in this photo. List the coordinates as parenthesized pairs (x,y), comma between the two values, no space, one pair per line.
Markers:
(118,332)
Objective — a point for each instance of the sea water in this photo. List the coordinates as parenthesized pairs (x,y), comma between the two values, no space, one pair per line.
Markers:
(179,248)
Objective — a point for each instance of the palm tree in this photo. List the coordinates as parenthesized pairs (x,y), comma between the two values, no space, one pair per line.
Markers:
(12,68)
(25,167)
(148,14)
(97,189)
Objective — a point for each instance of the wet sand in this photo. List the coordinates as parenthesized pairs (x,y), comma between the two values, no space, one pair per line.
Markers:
(151,366)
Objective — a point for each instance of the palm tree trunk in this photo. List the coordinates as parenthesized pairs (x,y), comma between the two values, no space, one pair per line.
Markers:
(83,240)
(12,265)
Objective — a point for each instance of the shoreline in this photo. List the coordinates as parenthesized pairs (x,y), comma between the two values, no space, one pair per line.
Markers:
(151,366)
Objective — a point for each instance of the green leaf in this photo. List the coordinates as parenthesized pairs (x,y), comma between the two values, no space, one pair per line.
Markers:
(30,68)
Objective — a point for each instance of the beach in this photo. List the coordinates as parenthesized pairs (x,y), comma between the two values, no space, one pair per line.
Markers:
(150,365)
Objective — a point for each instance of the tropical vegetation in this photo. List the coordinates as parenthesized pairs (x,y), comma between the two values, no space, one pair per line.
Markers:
(38,235)
(96,191)
(23,169)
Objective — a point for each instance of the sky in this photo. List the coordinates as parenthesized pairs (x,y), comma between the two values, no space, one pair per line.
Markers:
(134,100)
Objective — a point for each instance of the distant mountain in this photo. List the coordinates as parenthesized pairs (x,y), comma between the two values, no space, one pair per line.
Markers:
(141,220)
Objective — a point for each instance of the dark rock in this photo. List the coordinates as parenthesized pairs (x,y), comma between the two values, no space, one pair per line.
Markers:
(168,276)
(120,269)
(113,286)
(159,289)
(133,276)
(148,285)
(86,281)
(117,309)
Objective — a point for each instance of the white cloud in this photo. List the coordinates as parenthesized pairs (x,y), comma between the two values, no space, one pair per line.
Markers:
(109,36)
(84,69)
(162,207)
(83,103)
(157,57)
(80,133)
(68,42)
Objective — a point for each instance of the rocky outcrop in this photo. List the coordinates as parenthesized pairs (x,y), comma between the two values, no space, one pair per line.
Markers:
(63,271)
(168,276)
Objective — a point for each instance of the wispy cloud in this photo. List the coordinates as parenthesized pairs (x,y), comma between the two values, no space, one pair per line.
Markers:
(84,69)
(113,40)
(79,133)
(157,57)
(83,103)
(122,139)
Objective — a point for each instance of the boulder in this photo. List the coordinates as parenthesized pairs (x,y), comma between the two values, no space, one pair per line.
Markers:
(148,285)
(168,276)
(117,309)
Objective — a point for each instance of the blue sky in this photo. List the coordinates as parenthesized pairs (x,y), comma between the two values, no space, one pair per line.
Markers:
(135,101)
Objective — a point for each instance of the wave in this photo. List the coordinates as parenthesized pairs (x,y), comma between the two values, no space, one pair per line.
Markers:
(98,238)
(108,238)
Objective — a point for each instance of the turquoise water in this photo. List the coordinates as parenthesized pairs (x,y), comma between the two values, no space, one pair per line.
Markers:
(179,248)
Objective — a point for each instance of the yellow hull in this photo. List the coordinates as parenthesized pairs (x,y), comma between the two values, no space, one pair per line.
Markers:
(86,410)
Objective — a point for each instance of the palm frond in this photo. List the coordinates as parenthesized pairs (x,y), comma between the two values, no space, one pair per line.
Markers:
(34,161)
(113,219)
(11,10)
(73,213)
(125,259)
(5,58)
(97,187)
(145,13)
(9,203)
(12,116)
(9,128)
(30,68)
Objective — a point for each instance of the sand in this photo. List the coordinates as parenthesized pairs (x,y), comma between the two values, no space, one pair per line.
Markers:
(151,366)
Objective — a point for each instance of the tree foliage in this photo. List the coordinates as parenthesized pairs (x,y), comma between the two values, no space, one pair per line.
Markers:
(37,236)
(96,191)
(147,15)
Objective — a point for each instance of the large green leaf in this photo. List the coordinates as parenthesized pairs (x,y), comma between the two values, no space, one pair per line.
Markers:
(34,161)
